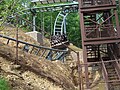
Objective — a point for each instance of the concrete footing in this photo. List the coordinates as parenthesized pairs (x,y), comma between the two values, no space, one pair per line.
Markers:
(36,36)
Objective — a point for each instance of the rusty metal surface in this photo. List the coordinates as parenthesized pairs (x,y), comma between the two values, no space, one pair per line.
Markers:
(100,39)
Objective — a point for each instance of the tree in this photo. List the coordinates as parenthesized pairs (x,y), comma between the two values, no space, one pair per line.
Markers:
(73,29)
(10,7)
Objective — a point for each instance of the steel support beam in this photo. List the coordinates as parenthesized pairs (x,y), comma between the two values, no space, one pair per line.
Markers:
(96,41)
(98,8)
(110,35)
(84,48)
(34,24)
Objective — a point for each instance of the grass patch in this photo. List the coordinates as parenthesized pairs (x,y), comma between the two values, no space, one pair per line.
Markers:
(4,84)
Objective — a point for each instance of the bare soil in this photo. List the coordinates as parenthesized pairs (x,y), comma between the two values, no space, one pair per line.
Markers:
(29,72)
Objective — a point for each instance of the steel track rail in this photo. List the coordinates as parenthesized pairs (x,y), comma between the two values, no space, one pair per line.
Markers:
(59,54)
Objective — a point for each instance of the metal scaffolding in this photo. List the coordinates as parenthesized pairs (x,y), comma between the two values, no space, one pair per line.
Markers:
(100,40)
(100,31)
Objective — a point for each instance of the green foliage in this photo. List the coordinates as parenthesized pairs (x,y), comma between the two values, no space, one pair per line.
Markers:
(44,20)
(118,9)
(73,29)
(10,7)
(4,84)
(73,25)
(50,22)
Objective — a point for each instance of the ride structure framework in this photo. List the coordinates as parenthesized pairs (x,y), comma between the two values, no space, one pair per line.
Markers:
(101,40)
(100,31)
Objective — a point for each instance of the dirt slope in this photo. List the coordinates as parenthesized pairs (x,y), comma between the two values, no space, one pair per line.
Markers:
(30,72)
(11,32)
(54,73)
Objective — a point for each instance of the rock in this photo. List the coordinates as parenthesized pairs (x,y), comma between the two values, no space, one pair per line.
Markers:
(13,67)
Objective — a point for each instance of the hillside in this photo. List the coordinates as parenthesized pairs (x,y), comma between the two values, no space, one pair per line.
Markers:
(30,72)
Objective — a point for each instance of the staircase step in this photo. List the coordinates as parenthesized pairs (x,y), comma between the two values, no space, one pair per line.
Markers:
(111,74)
(113,77)
(111,69)
(116,83)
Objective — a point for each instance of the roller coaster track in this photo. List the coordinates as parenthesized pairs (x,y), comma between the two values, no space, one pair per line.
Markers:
(51,1)
(60,24)
(72,6)
(41,51)
(59,34)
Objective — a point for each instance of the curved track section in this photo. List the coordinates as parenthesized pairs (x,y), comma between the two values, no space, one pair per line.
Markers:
(59,34)
(60,24)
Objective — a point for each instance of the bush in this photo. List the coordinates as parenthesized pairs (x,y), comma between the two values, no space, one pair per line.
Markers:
(4,84)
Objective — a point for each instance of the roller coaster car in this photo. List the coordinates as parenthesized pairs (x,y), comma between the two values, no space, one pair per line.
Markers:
(59,41)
